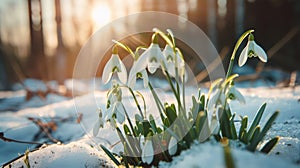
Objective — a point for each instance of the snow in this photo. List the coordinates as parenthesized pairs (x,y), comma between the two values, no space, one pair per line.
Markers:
(80,148)
(75,154)
(201,156)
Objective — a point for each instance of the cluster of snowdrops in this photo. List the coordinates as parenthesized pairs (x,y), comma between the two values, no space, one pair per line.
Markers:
(145,141)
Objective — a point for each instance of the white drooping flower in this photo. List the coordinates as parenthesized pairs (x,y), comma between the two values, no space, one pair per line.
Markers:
(133,76)
(216,98)
(148,152)
(172,148)
(214,124)
(115,105)
(99,123)
(113,65)
(234,94)
(173,61)
(151,59)
(252,50)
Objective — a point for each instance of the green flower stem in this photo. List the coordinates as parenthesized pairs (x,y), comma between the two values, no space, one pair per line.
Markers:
(141,95)
(164,36)
(237,45)
(125,47)
(157,100)
(183,93)
(129,121)
(135,100)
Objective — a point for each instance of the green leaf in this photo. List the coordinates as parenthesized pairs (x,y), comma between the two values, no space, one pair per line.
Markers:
(243,129)
(254,139)
(171,113)
(256,120)
(269,145)
(195,107)
(146,128)
(225,124)
(166,122)
(232,127)
(110,155)
(200,120)
(268,125)
(152,123)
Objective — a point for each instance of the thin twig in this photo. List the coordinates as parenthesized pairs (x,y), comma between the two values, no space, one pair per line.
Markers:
(5,139)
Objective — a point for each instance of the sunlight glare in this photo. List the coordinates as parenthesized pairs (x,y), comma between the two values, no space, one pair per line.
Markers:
(101,15)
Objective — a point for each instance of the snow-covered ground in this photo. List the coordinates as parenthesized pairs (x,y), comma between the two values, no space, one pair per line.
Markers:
(73,120)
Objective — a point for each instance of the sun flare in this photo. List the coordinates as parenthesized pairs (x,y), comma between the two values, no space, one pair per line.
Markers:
(101,15)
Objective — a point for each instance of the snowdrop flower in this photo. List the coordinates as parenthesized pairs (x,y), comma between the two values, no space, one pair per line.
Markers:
(148,152)
(252,50)
(214,124)
(172,61)
(217,97)
(115,105)
(98,124)
(133,76)
(152,58)
(172,148)
(113,65)
(234,94)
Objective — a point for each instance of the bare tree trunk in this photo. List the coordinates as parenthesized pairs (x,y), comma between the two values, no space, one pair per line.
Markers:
(60,57)
(211,15)
(36,63)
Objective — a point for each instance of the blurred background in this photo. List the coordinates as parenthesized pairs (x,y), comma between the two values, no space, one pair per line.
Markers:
(41,38)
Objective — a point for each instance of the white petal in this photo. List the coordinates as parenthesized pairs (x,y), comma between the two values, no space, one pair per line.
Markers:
(96,127)
(172,148)
(243,56)
(170,67)
(260,53)
(156,53)
(145,78)
(141,63)
(123,74)
(107,72)
(132,76)
(131,82)
(109,113)
(120,113)
(148,152)
(115,59)
(238,95)
(214,125)
(213,99)
(222,98)
(168,51)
